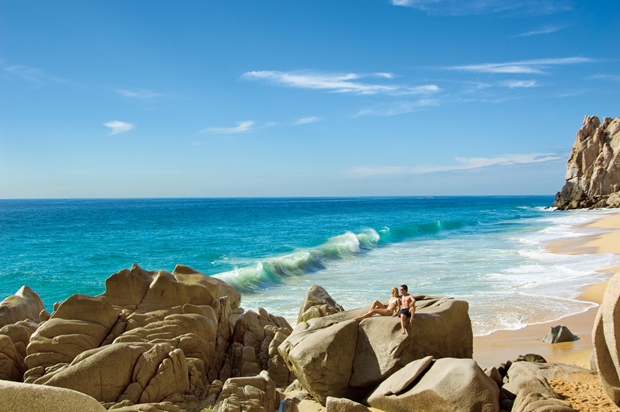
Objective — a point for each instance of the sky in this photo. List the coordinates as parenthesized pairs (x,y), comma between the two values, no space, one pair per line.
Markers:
(125,99)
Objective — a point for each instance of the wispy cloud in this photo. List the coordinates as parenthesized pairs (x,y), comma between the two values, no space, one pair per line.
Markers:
(117,127)
(468,7)
(521,67)
(463,163)
(32,74)
(519,83)
(338,82)
(542,30)
(398,108)
(137,93)
(306,120)
(241,127)
(614,77)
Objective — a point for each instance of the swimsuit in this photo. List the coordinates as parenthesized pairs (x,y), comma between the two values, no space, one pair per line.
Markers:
(405,312)
(393,302)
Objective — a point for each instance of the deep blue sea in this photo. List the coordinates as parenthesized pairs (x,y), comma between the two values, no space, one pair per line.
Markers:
(489,251)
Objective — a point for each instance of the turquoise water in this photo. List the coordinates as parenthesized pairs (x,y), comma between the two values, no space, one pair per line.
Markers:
(489,251)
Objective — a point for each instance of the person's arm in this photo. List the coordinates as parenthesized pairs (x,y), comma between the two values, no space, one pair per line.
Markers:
(396,307)
(412,306)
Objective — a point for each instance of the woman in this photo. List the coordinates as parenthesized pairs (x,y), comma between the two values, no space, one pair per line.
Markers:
(379,308)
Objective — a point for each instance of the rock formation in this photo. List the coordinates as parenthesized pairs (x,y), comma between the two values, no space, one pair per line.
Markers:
(527,387)
(605,339)
(445,384)
(175,342)
(559,334)
(25,304)
(593,169)
(338,356)
(157,339)
(317,303)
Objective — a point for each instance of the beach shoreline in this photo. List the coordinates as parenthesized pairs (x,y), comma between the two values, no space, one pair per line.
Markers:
(503,345)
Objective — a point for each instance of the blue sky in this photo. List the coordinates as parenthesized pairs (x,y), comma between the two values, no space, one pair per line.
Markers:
(299,98)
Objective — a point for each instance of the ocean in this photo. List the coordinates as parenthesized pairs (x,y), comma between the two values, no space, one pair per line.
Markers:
(489,251)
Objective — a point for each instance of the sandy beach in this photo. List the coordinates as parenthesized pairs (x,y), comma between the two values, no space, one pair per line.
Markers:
(585,393)
(500,346)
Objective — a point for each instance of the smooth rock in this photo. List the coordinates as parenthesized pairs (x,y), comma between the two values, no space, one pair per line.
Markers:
(344,405)
(24,397)
(338,356)
(25,304)
(449,384)
(559,334)
(606,340)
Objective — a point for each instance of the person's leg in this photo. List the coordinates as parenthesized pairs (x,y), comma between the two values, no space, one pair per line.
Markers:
(403,319)
(380,311)
(376,305)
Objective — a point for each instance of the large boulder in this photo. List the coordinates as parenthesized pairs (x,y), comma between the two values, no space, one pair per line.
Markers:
(446,384)
(606,339)
(25,304)
(338,356)
(317,303)
(593,169)
(22,397)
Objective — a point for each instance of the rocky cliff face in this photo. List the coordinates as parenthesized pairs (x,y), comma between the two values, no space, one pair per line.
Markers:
(593,169)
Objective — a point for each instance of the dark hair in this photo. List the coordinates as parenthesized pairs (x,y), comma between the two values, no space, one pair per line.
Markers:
(405,287)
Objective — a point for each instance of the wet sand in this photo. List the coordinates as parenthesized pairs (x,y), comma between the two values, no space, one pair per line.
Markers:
(500,346)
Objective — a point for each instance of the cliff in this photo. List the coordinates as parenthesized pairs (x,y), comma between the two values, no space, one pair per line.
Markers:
(593,169)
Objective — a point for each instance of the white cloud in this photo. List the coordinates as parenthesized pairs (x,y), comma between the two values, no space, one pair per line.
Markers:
(463,163)
(520,67)
(542,30)
(519,83)
(240,128)
(468,7)
(337,82)
(32,74)
(137,93)
(306,120)
(117,127)
(398,108)
(606,77)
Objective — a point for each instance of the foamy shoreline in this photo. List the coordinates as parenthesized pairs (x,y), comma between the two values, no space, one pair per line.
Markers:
(503,345)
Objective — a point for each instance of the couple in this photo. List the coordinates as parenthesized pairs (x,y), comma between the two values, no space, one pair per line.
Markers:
(404,306)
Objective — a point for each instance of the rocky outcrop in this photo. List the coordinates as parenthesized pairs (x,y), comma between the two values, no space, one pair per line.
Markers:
(150,335)
(154,341)
(445,384)
(338,356)
(317,303)
(606,340)
(593,169)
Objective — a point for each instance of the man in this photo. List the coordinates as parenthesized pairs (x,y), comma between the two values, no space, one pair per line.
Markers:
(408,308)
